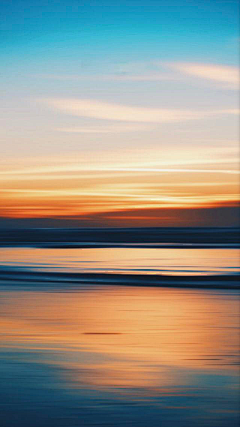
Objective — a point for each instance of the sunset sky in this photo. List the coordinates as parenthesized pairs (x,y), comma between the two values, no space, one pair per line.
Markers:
(119,113)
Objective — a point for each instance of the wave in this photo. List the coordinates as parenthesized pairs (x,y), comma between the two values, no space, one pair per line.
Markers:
(16,276)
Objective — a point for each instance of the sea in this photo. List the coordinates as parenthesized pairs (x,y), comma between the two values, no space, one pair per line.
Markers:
(119,327)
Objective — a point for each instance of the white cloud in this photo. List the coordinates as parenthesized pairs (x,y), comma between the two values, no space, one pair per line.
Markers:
(105,129)
(225,74)
(109,111)
(118,77)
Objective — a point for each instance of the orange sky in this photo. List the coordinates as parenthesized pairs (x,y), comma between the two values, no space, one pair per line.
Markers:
(137,186)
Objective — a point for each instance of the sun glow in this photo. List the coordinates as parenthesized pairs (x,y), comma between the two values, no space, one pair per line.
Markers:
(119,181)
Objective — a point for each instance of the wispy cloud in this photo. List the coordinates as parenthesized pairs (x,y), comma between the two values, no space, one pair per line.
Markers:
(224,75)
(109,111)
(227,75)
(78,168)
(118,77)
(104,129)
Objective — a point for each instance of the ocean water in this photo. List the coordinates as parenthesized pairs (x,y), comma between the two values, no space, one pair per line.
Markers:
(166,261)
(96,354)
(116,356)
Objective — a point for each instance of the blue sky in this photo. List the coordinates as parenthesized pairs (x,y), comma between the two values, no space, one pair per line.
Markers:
(125,30)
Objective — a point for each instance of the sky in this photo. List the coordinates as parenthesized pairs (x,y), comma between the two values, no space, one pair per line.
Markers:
(119,113)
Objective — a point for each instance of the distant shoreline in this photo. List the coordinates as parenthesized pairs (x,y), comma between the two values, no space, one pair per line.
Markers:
(90,245)
(122,237)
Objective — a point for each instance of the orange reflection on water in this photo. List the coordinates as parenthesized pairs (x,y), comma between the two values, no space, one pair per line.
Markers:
(123,338)
(121,260)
